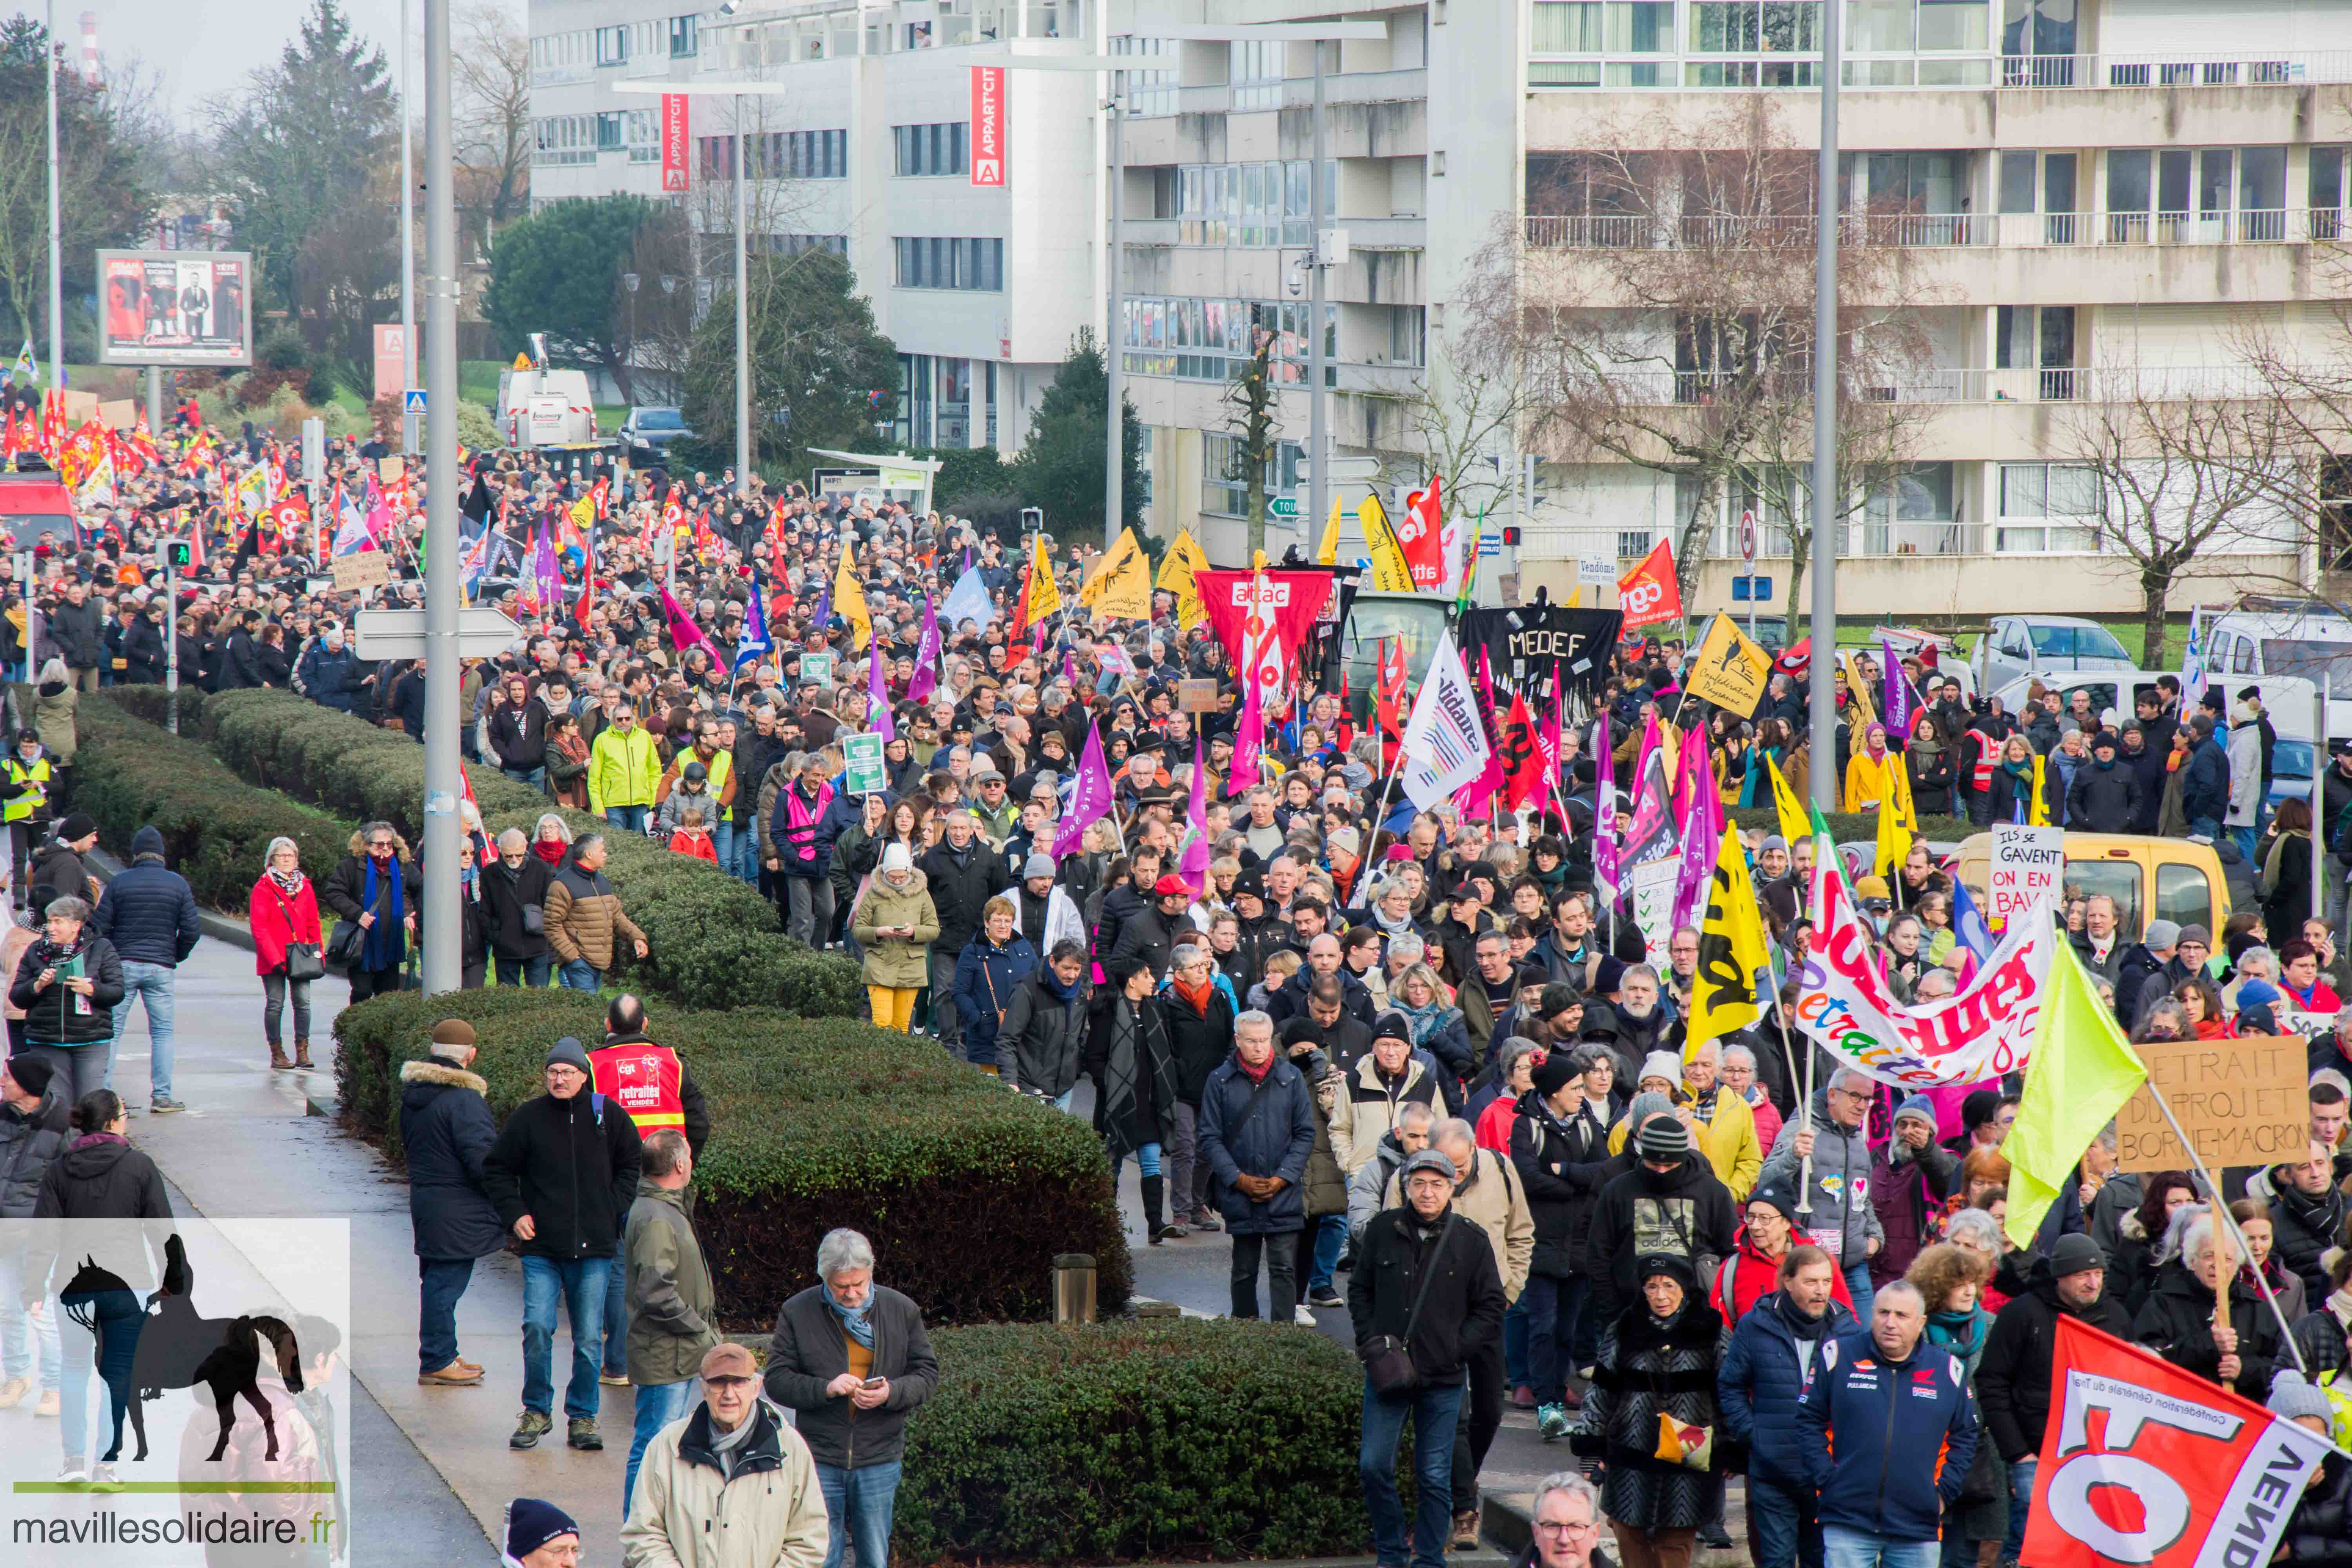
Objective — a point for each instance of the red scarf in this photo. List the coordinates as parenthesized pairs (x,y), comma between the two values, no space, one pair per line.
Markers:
(1195,996)
(1257,1074)
(550,850)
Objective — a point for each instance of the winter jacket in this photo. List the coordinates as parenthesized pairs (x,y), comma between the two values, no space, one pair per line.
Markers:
(1492,1196)
(345,893)
(622,768)
(1728,1141)
(572,1165)
(1042,1035)
(1888,1443)
(856,854)
(1327,1188)
(30,1140)
(1368,1105)
(507,892)
(689,1512)
(1290,1000)
(1126,1056)
(2246,756)
(2177,1323)
(2102,799)
(331,680)
(1632,1038)
(99,1176)
(57,1015)
(446,1133)
(1747,1275)
(1463,1312)
(1765,1373)
(673,1313)
(278,918)
(582,917)
(2014,1375)
(961,882)
(140,646)
(1840,1195)
(1647,1372)
(1199,1042)
(2205,781)
(1563,1165)
(985,978)
(1261,1129)
(810,1348)
(1685,1212)
(2304,1229)
(148,911)
(79,631)
(518,735)
(1149,936)
(896,961)
(796,831)
(669,817)
(1906,1189)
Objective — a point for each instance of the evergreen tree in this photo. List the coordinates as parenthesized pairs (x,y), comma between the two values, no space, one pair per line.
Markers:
(1060,466)
(821,374)
(558,271)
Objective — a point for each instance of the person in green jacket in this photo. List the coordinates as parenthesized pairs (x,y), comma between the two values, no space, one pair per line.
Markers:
(623,771)
(671,1322)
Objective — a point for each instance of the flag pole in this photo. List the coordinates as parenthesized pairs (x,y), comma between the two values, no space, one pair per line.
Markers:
(2221,1212)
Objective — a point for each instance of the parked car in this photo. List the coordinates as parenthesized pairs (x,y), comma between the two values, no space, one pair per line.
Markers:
(650,427)
(2024,645)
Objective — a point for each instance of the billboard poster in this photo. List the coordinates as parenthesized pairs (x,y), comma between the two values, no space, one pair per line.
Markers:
(988,125)
(391,359)
(673,141)
(176,307)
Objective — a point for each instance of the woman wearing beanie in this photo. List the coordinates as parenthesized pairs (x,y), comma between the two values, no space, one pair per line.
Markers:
(2323,1514)
(895,925)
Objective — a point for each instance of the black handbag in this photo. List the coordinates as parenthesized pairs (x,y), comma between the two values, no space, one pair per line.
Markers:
(1388,1358)
(350,937)
(303,960)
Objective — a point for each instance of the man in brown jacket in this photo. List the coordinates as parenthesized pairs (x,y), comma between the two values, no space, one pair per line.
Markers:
(584,916)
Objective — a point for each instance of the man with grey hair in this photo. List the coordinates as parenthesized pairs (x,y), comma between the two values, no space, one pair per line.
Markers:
(1567,1523)
(1846,1224)
(1255,1130)
(852,1359)
(514,882)
(963,873)
(1366,1189)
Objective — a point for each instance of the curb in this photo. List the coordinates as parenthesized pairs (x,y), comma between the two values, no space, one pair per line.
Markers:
(1506,1522)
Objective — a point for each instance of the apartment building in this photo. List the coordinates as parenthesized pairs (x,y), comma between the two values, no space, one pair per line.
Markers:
(867,153)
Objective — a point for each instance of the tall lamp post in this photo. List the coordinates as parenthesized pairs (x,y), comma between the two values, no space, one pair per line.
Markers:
(1823,738)
(408,421)
(56,281)
(738,92)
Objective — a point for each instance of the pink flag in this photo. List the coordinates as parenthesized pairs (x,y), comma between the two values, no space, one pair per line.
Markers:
(1604,810)
(1650,740)
(877,688)
(1700,825)
(1193,866)
(927,654)
(683,633)
(1089,797)
(1249,742)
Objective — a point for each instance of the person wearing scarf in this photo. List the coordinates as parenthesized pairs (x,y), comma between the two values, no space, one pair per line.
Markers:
(1127,1055)
(1865,771)
(283,909)
(374,886)
(1656,1371)
(1951,1281)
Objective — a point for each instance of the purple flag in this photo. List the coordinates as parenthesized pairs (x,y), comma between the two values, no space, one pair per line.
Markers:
(1070,665)
(927,654)
(551,581)
(1897,710)
(877,688)
(1089,797)
(1698,848)
(1193,866)
(1604,810)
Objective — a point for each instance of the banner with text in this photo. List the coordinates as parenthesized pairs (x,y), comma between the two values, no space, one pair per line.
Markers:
(673,144)
(2242,1101)
(2028,864)
(988,125)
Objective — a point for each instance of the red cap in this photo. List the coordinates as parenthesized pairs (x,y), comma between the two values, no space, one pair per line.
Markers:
(1172,888)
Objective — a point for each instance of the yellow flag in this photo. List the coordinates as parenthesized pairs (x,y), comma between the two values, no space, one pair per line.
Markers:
(1389,572)
(1121,590)
(1045,593)
(1897,823)
(2084,1071)
(1109,564)
(1794,824)
(1731,951)
(1176,570)
(849,602)
(584,511)
(1858,691)
(1730,671)
(1327,554)
(2037,813)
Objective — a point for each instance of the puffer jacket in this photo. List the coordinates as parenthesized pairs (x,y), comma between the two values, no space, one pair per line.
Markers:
(1888,1443)
(985,978)
(1367,1188)
(1198,1041)
(446,1133)
(51,1017)
(1368,1107)
(583,917)
(672,1307)
(1765,1373)
(1647,1371)
(148,911)
(1327,1189)
(29,1141)
(688,1512)
(1842,1187)
(1042,1035)
(2306,1228)
(1563,1165)
(897,961)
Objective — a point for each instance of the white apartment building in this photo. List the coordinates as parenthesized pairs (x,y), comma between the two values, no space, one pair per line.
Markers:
(868,153)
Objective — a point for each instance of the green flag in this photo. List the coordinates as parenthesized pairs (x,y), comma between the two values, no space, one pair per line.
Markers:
(2081,1071)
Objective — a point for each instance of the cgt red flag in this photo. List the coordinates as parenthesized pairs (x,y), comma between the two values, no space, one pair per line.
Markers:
(1649,593)
(1529,754)
(2146,1464)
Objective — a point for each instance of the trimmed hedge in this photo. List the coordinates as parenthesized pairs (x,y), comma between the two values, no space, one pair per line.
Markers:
(715,943)
(1157,1441)
(216,827)
(966,1189)
(1857,827)
(153,703)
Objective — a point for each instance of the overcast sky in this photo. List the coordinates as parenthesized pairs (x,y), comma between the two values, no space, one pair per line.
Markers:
(205,47)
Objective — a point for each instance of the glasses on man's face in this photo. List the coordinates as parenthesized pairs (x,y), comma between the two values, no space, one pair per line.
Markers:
(1566,1527)
(726,1382)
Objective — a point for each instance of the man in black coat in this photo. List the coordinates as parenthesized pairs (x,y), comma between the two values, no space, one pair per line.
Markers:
(1422,1243)
(1150,937)
(518,732)
(78,627)
(514,896)
(962,874)
(2307,1214)
(1670,1203)
(2013,1377)
(134,647)
(563,1173)
(446,1133)
(2104,797)
(149,913)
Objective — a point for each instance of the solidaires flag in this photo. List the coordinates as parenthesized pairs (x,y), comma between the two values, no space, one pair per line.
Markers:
(1445,740)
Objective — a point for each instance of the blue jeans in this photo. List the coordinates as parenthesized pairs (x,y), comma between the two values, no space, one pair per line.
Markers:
(629,818)
(746,863)
(1858,1286)
(1843,1548)
(616,1321)
(21,1334)
(2205,827)
(579,974)
(1330,1240)
(532,971)
(153,982)
(535,777)
(1784,1524)
(2020,1502)
(723,843)
(659,1405)
(2244,838)
(1514,1344)
(859,1504)
(1433,1413)
(440,1282)
(579,1282)
(117,1317)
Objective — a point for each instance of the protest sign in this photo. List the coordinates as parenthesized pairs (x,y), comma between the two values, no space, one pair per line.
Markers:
(2242,1101)
(862,772)
(2026,864)
(366,568)
(817,667)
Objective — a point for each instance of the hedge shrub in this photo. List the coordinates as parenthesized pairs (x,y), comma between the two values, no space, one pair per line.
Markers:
(1858,827)
(1149,1441)
(216,827)
(153,703)
(966,1189)
(715,941)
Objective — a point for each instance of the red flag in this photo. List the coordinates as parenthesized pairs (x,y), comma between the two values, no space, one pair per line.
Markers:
(1650,594)
(1021,611)
(1419,534)
(586,601)
(1529,754)
(2144,1463)
(1388,694)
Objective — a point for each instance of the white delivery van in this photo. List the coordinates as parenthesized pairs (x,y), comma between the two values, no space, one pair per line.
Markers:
(2265,636)
(545,407)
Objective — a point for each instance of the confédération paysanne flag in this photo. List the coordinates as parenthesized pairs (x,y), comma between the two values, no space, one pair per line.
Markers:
(1445,740)
(1731,949)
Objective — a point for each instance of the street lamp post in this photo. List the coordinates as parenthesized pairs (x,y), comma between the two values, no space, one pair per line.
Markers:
(56,281)
(1824,739)
(443,776)
(408,430)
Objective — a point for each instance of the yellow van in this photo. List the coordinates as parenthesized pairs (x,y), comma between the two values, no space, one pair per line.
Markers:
(2149,878)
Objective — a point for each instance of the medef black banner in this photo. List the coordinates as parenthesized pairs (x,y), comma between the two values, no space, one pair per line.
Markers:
(1542,652)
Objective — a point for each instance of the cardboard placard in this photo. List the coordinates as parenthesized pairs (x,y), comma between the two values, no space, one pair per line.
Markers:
(391,469)
(2243,1101)
(120,414)
(367,569)
(1196,697)
(2027,865)
(817,667)
(79,405)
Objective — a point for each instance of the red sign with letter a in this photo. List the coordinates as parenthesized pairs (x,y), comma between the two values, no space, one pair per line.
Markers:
(988,125)
(672,141)
(2145,1464)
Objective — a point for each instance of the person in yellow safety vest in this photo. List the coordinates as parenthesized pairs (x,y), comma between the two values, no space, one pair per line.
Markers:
(25,785)
(623,771)
(650,1084)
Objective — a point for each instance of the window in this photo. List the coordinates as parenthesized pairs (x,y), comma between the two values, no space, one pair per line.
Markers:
(715,157)
(1255,73)
(1225,474)
(613,46)
(685,37)
(928,150)
(929,262)
(609,131)
(2184,895)
(1152,91)
(2034,494)
(1409,334)
(1249,204)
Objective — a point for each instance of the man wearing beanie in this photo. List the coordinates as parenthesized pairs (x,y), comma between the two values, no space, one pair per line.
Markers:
(59,871)
(36,1124)
(1909,1182)
(2102,797)
(149,913)
(2013,1375)
(538,1535)
(447,1133)
(562,1174)
(1671,1201)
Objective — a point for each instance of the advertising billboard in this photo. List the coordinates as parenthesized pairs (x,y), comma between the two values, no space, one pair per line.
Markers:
(988,125)
(190,308)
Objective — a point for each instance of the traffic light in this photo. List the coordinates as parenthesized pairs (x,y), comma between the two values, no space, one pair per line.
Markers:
(1511,534)
(176,553)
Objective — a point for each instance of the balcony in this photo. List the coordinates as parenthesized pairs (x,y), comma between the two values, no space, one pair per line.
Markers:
(2065,383)
(1943,231)
(1939,73)
(1358,86)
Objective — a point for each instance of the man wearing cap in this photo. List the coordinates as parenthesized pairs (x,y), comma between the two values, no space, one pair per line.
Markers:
(993,810)
(2014,1375)
(732,1485)
(447,1135)
(563,1173)
(1671,1201)
(1420,1250)
(1149,936)
(538,1535)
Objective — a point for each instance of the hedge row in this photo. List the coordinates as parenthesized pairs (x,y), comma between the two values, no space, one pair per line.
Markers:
(1163,1441)
(216,827)
(715,941)
(1856,827)
(966,1189)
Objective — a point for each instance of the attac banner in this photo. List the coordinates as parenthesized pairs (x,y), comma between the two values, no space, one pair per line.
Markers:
(1987,1029)
(674,143)
(1544,651)
(988,125)
(1296,599)
(2148,1466)
(1650,594)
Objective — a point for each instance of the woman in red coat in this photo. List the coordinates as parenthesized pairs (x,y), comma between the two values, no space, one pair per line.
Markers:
(284,910)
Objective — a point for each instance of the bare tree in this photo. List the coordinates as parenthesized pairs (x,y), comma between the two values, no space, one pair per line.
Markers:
(1256,420)
(1466,414)
(1660,313)
(489,82)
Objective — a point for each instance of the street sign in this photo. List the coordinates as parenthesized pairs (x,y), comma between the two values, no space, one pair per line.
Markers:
(1490,544)
(1596,571)
(1748,537)
(1752,590)
(1282,506)
(1344,469)
(482,633)
(413,400)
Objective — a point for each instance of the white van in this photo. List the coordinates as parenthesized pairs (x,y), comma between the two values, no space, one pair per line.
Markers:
(2288,699)
(2308,637)
(545,407)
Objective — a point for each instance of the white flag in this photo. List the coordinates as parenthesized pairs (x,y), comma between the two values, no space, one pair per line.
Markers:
(968,601)
(1444,740)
